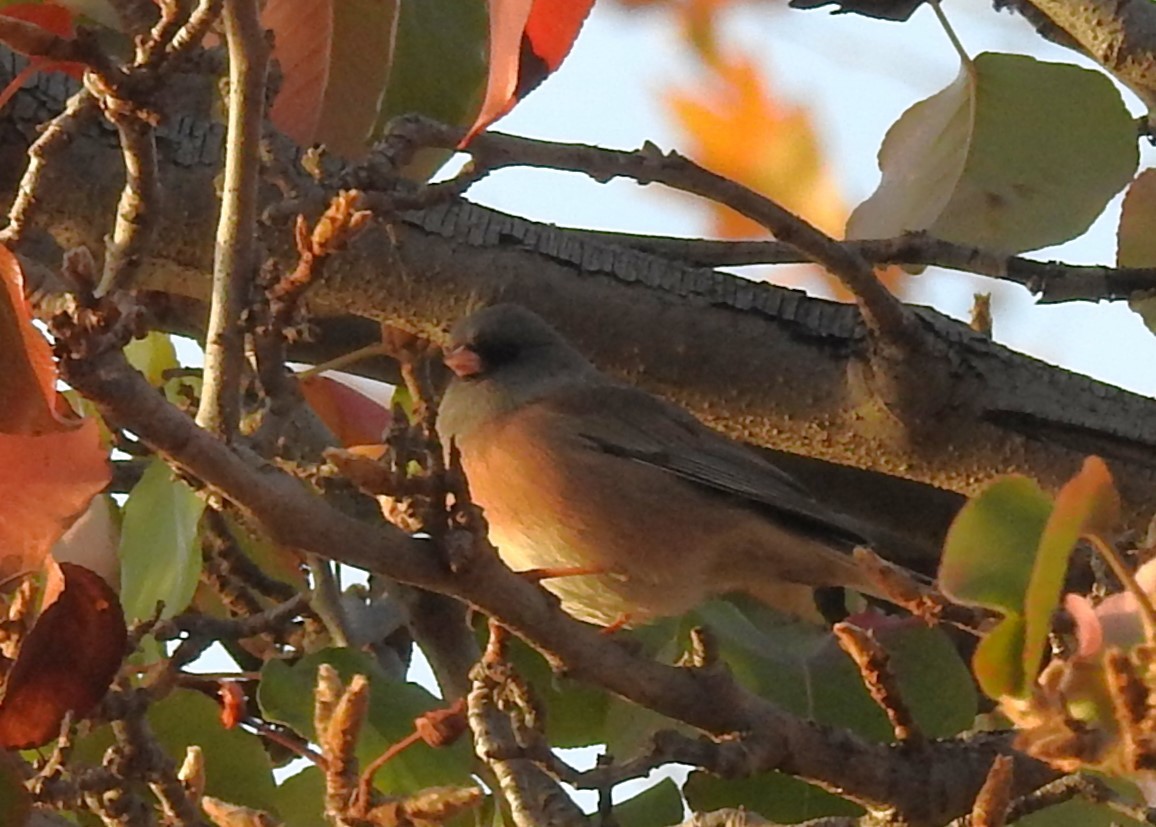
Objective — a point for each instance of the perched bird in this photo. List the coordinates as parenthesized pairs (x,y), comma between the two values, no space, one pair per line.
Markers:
(578,471)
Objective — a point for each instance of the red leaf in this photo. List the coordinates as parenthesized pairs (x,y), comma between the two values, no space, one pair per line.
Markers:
(303,36)
(552,29)
(67,661)
(529,39)
(49,21)
(353,417)
(335,60)
(49,16)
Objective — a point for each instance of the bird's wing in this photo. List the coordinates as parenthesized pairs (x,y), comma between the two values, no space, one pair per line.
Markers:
(629,423)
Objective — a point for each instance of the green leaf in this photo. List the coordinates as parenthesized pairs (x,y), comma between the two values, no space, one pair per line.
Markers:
(301,799)
(659,806)
(237,768)
(777,797)
(439,68)
(1086,504)
(152,356)
(933,679)
(990,547)
(440,65)
(988,560)
(1016,154)
(1008,550)
(802,668)
(159,553)
(998,660)
(1135,241)
(286,695)
(15,800)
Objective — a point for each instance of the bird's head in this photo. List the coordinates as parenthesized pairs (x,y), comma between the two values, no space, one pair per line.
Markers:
(503,357)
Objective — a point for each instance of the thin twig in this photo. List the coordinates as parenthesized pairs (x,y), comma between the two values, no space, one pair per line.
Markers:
(137,208)
(56,134)
(196,27)
(1050,281)
(964,57)
(1064,789)
(874,667)
(994,798)
(534,797)
(344,360)
(235,260)
(325,599)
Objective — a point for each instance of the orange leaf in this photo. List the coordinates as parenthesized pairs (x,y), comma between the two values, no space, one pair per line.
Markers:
(353,417)
(67,661)
(740,130)
(46,482)
(529,39)
(232,697)
(28,403)
(50,465)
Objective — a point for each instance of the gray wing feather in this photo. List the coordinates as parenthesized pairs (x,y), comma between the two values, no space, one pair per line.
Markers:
(628,423)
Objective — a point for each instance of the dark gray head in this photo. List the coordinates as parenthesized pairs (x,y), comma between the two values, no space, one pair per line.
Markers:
(504,357)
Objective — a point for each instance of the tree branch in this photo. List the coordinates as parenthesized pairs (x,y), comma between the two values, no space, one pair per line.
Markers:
(1051,281)
(761,363)
(1118,34)
(235,262)
(926,786)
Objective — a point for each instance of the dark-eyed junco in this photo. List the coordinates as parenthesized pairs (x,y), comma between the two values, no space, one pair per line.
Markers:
(575,470)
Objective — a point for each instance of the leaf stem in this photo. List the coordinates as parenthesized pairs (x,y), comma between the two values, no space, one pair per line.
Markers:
(951,35)
(345,360)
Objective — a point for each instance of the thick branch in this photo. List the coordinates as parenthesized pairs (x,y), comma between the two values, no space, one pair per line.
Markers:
(762,363)
(1119,34)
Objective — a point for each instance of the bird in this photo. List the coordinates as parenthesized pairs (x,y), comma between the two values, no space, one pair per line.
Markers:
(641,511)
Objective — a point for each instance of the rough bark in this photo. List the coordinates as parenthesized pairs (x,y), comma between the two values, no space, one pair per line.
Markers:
(764,363)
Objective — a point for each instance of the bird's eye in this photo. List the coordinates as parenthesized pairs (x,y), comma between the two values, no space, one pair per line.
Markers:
(496,353)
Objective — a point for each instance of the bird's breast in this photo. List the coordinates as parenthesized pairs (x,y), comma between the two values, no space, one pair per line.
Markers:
(553,502)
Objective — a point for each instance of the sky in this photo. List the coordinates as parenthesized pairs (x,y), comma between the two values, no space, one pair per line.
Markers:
(858,75)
